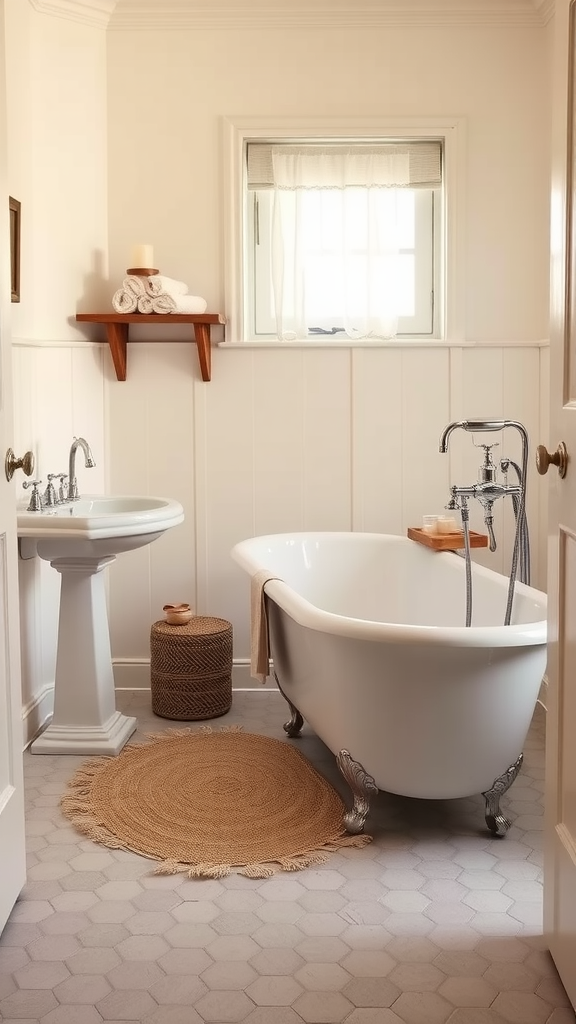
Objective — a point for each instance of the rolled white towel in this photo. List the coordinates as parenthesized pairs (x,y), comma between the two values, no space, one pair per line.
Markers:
(134,284)
(159,304)
(145,304)
(124,302)
(164,304)
(189,304)
(159,284)
(153,285)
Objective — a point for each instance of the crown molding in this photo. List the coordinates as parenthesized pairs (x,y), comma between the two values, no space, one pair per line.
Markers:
(122,15)
(338,14)
(545,9)
(95,13)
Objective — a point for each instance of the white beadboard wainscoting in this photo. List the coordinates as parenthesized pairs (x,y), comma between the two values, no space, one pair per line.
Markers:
(320,439)
(279,440)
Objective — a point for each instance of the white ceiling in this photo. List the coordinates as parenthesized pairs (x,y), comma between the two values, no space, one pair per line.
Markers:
(124,14)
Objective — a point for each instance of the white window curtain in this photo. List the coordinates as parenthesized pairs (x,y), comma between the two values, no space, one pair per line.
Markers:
(335,239)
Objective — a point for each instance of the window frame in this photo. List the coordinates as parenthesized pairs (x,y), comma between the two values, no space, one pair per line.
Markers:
(237,131)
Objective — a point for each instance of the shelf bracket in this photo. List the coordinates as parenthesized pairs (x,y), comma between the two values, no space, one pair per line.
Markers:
(117,340)
(202,337)
(118,324)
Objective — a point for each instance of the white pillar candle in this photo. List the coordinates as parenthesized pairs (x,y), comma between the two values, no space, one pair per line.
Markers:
(142,256)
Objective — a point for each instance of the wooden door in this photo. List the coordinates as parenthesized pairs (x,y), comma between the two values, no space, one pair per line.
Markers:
(560,825)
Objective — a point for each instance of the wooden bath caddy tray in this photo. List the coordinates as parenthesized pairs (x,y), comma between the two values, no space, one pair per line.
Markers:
(446,541)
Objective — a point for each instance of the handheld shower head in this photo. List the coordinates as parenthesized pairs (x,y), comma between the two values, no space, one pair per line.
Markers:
(474,426)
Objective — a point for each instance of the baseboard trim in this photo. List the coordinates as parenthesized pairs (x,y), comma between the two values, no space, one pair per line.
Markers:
(36,713)
(129,674)
(134,674)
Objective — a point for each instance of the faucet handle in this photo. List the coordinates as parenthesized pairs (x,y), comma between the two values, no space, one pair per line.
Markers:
(488,469)
(49,497)
(62,488)
(35,504)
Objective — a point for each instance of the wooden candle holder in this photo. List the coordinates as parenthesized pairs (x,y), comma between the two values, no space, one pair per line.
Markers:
(142,271)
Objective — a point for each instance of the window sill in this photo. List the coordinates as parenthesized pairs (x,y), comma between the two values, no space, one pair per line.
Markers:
(381,343)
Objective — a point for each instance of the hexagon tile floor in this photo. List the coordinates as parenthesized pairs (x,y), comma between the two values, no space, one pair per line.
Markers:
(434,922)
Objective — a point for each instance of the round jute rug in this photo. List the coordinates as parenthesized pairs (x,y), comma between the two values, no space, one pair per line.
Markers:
(206,802)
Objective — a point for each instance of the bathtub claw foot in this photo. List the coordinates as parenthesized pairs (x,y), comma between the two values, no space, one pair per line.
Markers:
(363,787)
(495,820)
(292,728)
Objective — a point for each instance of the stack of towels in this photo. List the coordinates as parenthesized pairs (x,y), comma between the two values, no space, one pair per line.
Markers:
(156,294)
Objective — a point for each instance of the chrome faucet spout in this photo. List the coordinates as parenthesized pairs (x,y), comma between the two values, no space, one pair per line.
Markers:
(78,442)
(443,446)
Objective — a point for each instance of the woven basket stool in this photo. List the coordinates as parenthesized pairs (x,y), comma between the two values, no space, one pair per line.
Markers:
(191,668)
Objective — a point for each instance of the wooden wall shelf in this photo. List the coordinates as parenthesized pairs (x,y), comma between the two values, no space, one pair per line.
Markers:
(117,327)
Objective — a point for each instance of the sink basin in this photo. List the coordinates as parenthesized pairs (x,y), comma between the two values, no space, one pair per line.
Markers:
(80,539)
(97,525)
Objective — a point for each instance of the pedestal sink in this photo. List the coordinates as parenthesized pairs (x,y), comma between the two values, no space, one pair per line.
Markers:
(80,539)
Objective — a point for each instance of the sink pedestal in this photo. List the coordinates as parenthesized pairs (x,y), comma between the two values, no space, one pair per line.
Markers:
(80,538)
(85,719)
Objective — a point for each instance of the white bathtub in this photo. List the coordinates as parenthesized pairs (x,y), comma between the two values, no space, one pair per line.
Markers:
(369,645)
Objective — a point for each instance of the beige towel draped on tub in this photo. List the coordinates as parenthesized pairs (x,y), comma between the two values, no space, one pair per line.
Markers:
(259,642)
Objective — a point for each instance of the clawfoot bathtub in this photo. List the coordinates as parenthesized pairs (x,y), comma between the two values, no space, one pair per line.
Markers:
(369,645)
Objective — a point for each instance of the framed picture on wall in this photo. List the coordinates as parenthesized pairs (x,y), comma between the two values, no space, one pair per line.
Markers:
(14,249)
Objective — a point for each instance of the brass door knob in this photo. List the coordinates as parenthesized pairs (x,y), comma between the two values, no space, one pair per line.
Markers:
(559,458)
(11,464)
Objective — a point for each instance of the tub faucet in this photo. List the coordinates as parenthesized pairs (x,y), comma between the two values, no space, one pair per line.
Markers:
(487,491)
(78,442)
(487,487)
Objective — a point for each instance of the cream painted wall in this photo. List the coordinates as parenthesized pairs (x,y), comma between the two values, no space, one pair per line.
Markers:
(165,166)
(326,438)
(320,438)
(57,168)
(57,160)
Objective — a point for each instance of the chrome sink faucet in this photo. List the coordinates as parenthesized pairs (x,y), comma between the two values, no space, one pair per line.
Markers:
(78,442)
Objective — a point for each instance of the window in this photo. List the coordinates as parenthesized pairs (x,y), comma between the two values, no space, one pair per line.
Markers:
(423,271)
(342,240)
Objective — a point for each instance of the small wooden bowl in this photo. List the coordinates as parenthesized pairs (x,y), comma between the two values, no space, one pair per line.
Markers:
(142,271)
(178,614)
